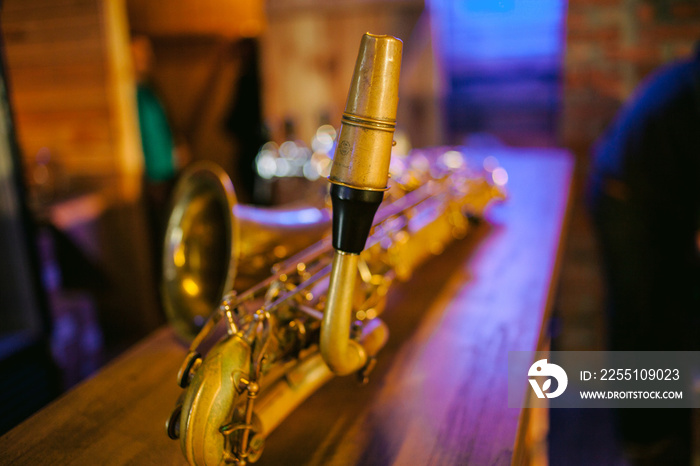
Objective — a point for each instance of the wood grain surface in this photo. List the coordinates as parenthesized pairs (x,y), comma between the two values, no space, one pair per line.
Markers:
(71,87)
(438,394)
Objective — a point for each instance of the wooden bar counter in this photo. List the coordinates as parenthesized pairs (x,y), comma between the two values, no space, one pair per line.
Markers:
(437,396)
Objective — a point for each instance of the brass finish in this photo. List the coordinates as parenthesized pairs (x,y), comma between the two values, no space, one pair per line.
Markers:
(363,152)
(267,347)
(361,161)
(285,358)
(342,355)
(202,247)
(211,399)
(284,395)
(214,245)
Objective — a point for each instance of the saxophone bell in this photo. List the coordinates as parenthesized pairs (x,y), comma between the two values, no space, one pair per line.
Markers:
(214,245)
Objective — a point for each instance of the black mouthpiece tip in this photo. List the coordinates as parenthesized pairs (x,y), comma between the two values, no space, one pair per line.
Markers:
(353,214)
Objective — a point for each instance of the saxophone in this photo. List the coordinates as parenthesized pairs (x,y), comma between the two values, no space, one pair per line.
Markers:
(279,332)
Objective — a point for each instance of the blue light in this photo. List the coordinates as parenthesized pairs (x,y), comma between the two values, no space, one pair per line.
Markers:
(489,5)
(296,217)
(488,30)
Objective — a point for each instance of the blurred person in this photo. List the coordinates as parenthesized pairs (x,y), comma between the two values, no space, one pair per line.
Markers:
(156,137)
(159,150)
(644,196)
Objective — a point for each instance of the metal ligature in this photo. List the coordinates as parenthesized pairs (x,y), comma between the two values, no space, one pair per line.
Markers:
(276,307)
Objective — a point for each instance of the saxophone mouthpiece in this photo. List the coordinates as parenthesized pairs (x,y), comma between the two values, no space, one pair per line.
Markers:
(360,168)
(362,155)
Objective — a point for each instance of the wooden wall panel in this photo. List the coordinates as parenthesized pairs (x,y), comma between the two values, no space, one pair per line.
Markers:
(72,88)
(73,92)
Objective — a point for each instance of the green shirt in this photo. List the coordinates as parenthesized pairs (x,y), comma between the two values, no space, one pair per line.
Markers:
(156,137)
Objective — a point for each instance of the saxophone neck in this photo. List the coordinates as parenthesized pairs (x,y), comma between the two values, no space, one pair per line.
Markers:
(342,354)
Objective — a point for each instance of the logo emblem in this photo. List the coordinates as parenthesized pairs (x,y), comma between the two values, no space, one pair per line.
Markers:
(344,147)
(543,369)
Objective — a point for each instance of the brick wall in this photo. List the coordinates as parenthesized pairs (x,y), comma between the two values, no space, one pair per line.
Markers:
(611,46)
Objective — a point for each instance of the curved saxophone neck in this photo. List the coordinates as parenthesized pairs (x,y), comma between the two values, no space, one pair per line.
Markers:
(342,354)
(359,178)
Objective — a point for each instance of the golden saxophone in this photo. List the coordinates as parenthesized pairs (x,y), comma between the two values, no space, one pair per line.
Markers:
(265,349)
